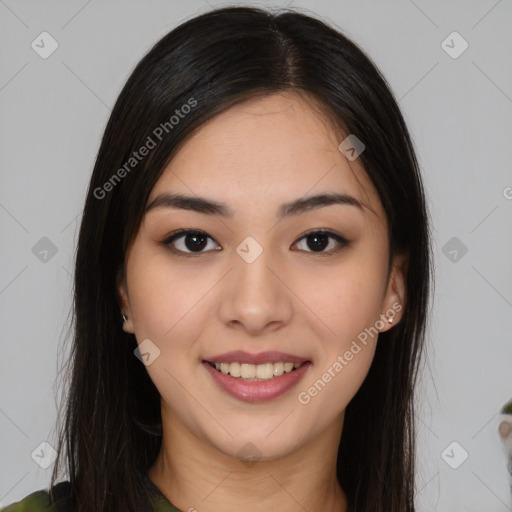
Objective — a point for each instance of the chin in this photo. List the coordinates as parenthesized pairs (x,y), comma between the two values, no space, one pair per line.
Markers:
(257,446)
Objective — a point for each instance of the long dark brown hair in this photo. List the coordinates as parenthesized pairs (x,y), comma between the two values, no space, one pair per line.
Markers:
(110,426)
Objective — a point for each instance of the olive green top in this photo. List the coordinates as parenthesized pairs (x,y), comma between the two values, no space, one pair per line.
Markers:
(40,501)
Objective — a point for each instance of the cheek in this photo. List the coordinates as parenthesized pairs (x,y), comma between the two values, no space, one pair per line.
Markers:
(337,378)
(347,301)
(333,388)
(167,306)
(168,310)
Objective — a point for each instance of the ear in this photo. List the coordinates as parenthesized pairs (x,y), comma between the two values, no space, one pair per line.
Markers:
(394,300)
(124,302)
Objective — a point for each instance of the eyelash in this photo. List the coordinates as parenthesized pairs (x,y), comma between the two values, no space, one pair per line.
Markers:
(342,242)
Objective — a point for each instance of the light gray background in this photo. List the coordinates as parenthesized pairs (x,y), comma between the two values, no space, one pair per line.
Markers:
(459,110)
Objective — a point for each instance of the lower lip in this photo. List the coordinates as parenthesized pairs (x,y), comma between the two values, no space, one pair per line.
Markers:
(257,391)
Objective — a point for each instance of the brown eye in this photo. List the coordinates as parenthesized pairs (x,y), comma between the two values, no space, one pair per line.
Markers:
(191,241)
(318,241)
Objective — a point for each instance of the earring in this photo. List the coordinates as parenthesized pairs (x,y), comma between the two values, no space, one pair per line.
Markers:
(390,319)
(124,318)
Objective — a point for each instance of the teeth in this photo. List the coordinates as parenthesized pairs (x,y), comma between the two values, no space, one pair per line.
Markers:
(278,369)
(263,371)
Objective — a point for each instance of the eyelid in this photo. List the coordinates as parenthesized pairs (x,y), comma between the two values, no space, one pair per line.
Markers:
(340,239)
(167,242)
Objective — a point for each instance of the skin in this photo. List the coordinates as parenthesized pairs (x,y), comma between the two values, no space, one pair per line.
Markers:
(254,157)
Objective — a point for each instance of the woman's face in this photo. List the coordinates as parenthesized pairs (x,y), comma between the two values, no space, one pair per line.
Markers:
(258,283)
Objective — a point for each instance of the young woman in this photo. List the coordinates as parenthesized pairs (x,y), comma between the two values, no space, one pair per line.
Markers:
(252,282)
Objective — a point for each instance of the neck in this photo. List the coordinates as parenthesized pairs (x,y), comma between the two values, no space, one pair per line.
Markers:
(193,474)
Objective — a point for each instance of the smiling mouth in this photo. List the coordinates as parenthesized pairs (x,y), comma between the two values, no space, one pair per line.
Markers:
(256,372)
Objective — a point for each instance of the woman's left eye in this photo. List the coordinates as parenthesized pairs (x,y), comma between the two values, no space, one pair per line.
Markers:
(188,241)
(319,241)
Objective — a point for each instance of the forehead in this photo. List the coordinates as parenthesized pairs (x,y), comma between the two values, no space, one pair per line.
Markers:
(268,148)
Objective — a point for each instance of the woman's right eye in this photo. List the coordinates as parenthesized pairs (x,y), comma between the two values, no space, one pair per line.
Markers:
(190,241)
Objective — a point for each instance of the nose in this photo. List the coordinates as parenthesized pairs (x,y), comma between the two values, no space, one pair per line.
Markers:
(255,298)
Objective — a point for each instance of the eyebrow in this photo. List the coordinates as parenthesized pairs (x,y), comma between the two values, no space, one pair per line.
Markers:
(208,206)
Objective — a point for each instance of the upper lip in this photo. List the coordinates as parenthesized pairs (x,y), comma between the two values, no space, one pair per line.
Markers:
(239,356)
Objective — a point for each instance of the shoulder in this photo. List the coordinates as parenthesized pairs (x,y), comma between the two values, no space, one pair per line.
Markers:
(41,501)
